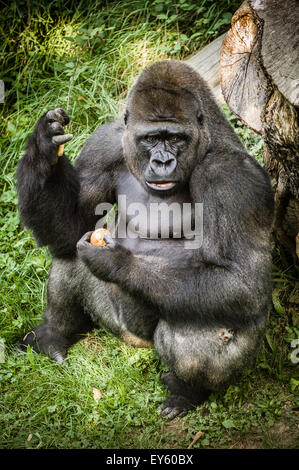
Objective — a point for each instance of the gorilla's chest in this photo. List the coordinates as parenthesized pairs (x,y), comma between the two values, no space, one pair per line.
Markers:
(150,218)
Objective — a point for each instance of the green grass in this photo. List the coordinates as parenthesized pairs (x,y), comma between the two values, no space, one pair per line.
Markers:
(103,47)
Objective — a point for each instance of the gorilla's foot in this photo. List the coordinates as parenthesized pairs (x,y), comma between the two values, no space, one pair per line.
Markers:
(183,397)
(176,406)
(45,340)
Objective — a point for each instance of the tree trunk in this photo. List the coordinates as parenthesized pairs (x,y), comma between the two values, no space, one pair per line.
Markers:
(259,76)
(207,63)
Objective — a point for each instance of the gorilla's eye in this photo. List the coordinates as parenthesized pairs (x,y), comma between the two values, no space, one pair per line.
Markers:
(174,138)
(151,138)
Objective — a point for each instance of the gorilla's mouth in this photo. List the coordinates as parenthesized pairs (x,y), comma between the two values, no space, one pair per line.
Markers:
(161,186)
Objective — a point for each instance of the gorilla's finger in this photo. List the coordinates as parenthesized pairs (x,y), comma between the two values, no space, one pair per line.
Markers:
(82,246)
(55,128)
(85,238)
(58,114)
(109,240)
(61,139)
(63,114)
(57,356)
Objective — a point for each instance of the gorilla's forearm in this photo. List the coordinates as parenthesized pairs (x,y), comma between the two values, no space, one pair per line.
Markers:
(48,203)
(207,294)
(204,292)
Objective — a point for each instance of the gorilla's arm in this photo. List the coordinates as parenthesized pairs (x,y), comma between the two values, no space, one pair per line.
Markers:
(56,199)
(176,284)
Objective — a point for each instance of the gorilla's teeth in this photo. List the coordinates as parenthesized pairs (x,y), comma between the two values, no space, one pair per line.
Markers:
(163,185)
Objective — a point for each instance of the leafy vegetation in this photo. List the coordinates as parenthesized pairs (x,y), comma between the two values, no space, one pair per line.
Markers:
(86,55)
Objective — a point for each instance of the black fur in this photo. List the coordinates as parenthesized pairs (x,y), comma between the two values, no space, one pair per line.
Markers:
(205,309)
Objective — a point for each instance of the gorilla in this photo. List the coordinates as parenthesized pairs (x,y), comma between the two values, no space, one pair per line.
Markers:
(203,307)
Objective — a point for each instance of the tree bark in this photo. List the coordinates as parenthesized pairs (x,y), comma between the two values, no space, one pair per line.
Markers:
(259,77)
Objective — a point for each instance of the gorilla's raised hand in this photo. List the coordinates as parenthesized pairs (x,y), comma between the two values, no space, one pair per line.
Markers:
(105,262)
(49,134)
(49,187)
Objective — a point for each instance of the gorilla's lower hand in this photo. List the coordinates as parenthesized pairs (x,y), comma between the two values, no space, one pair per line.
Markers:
(105,262)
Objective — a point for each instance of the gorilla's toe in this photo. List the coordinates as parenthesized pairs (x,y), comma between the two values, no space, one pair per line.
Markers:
(176,406)
(42,341)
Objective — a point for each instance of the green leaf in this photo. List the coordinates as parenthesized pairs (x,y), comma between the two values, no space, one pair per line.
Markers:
(294,384)
(276,303)
(228,423)
(183,37)
(11,128)
(269,341)
(9,196)
(52,409)
(162,16)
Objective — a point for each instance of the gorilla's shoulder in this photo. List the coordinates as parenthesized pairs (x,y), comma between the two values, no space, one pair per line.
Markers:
(103,148)
(234,165)
(237,179)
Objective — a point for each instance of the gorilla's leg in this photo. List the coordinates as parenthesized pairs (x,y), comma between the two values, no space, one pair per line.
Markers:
(64,318)
(183,396)
(202,360)
(77,302)
(127,317)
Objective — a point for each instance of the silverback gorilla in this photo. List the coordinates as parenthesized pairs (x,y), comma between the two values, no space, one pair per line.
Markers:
(203,309)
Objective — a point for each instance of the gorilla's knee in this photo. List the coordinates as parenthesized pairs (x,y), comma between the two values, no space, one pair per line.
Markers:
(207,357)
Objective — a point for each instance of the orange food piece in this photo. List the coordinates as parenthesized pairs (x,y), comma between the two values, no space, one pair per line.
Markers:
(97,237)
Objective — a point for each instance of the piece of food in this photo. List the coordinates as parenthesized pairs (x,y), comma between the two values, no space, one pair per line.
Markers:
(97,237)
(60,150)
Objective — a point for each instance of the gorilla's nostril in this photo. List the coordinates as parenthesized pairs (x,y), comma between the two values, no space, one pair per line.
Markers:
(161,167)
(164,163)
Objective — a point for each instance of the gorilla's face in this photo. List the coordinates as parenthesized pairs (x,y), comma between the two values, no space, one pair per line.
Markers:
(164,137)
(162,149)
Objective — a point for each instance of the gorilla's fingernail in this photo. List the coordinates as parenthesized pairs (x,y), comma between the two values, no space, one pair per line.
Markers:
(109,240)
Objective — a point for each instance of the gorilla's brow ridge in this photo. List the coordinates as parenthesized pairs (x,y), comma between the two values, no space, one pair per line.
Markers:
(162,118)
(170,91)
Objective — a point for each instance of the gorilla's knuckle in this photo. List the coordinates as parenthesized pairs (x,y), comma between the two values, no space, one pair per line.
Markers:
(59,115)
(50,115)
(63,115)
(56,127)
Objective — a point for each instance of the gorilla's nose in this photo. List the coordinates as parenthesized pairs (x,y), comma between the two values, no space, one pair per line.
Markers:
(163,166)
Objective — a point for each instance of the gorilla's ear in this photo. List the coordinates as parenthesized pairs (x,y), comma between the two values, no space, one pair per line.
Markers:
(200,118)
(126,116)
